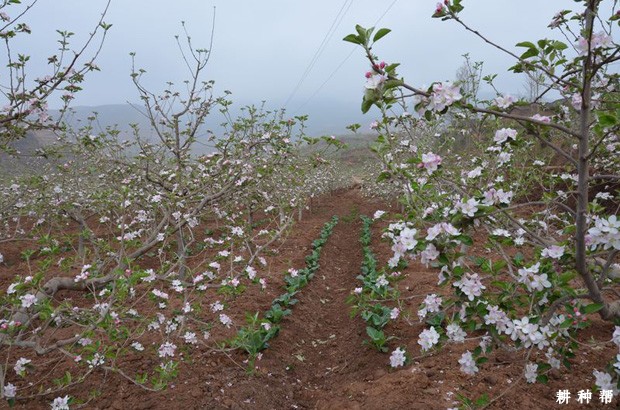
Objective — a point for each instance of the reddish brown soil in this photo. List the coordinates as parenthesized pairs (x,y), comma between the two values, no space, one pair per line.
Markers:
(319,361)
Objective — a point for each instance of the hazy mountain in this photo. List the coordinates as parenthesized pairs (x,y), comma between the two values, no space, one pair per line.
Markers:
(324,117)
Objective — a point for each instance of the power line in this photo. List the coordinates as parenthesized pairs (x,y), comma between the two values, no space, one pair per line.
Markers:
(330,32)
(343,61)
(327,80)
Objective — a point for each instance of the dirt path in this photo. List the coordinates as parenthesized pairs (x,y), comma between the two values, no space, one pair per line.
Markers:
(320,345)
(319,351)
(319,359)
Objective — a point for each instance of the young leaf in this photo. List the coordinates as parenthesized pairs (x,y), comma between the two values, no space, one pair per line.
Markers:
(352,38)
(366,104)
(594,307)
(380,34)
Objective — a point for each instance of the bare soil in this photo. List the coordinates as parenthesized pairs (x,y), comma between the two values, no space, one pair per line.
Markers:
(319,361)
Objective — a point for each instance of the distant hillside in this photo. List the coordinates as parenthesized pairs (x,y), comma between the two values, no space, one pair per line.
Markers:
(329,117)
(118,116)
(324,117)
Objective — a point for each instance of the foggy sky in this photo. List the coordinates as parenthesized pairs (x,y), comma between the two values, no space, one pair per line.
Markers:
(261,48)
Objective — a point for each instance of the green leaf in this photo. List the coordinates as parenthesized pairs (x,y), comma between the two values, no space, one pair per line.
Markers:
(532,52)
(352,38)
(374,334)
(390,68)
(466,240)
(366,104)
(389,84)
(558,45)
(526,44)
(380,34)
(437,319)
(482,400)
(607,120)
(594,307)
(383,176)
(363,33)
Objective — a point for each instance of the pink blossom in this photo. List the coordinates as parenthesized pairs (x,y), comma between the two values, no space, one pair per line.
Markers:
(541,118)
(470,285)
(429,254)
(431,162)
(554,252)
(504,134)
(428,338)
(375,81)
(28,300)
(167,349)
(576,101)
(444,95)
(504,101)
(468,364)
(398,358)
(598,40)
(9,391)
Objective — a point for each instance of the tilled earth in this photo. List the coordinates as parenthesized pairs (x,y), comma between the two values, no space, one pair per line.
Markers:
(319,359)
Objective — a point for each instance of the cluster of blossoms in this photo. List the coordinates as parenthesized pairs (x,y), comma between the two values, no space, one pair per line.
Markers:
(455,333)
(598,40)
(471,285)
(444,95)
(468,208)
(531,278)
(429,254)
(167,349)
(405,241)
(430,162)
(442,228)
(20,366)
(431,304)
(403,237)
(531,372)
(504,134)
(605,233)
(468,364)
(428,338)
(398,358)
(374,81)
(495,196)
(84,273)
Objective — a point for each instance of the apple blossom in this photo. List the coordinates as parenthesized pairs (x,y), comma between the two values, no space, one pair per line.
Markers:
(428,338)
(468,364)
(397,358)
(531,372)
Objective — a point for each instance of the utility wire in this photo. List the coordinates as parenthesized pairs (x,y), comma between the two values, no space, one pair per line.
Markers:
(342,62)
(330,32)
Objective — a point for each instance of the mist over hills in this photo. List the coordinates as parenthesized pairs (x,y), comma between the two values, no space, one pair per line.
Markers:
(329,117)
